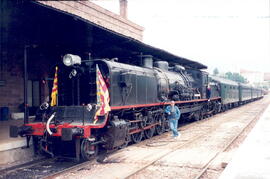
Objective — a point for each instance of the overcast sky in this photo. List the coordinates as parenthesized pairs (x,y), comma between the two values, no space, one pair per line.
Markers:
(227,34)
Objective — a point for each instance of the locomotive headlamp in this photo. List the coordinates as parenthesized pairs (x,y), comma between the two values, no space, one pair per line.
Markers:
(70,60)
(89,107)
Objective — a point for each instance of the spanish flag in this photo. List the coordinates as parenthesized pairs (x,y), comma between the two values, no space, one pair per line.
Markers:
(103,97)
(54,89)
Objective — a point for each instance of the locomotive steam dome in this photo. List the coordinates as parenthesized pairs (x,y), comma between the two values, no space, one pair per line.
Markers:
(164,65)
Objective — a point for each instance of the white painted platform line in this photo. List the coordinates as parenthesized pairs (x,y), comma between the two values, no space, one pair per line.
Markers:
(252,159)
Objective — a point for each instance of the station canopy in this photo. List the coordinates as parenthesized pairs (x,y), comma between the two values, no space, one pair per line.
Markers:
(136,46)
(62,31)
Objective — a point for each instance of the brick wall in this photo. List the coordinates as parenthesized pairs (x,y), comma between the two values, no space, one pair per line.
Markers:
(11,64)
(11,93)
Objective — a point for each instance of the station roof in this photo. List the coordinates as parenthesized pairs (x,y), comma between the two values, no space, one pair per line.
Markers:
(164,55)
(131,43)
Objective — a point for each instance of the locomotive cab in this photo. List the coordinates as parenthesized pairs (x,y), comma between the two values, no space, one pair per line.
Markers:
(77,94)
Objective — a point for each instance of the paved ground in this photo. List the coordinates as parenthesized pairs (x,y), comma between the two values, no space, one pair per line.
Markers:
(252,159)
(162,157)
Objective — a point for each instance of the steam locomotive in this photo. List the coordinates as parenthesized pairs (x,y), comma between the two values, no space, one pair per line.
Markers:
(138,95)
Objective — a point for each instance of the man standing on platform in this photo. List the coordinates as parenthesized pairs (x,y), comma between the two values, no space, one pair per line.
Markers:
(173,116)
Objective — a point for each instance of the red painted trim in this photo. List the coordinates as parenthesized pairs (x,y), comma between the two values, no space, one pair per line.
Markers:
(150,126)
(39,129)
(160,104)
(145,128)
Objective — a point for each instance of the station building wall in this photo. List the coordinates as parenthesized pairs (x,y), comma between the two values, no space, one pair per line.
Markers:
(11,89)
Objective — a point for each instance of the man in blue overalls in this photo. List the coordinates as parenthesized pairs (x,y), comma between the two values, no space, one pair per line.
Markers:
(173,116)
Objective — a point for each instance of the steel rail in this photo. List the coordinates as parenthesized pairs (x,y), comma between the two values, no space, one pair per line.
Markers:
(68,169)
(24,165)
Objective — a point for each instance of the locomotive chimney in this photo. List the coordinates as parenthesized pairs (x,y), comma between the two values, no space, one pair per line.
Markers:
(147,61)
(123,8)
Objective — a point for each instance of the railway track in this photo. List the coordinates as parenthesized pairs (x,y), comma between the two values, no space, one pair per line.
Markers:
(51,168)
(38,169)
(151,143)
(172,150)
(208,163)
(82,165)
(5,171)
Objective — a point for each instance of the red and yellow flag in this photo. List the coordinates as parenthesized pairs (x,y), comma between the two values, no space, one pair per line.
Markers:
(54,89)
(103,97)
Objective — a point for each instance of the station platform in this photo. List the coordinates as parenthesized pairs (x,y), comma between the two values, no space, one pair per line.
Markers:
(12,149)
(252,159)
(7,143)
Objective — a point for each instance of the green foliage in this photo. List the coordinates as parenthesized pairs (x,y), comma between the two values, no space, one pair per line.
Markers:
(235,77)
(215,72)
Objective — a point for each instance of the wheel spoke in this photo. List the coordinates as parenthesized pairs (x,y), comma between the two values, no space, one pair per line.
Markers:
(160,127)
(137,137)
(149,133)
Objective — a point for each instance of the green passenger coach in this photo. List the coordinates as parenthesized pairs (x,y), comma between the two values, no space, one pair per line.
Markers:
(229,91)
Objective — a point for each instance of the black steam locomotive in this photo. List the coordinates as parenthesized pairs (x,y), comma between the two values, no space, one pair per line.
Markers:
(137,97)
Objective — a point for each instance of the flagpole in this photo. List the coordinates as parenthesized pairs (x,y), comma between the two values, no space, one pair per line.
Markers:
(25,86)
(54,94)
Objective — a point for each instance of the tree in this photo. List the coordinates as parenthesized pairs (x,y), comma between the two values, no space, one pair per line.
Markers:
(228,75)
(235,77)
(215,72)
